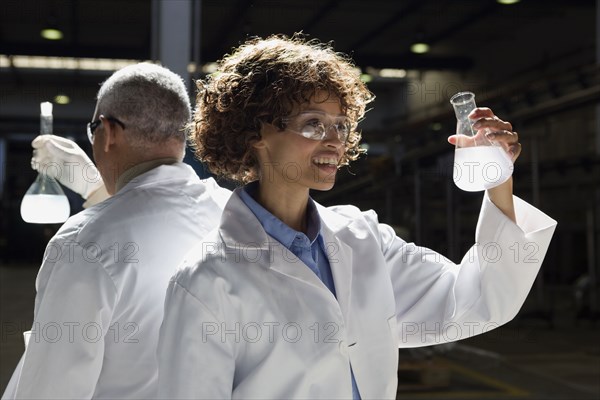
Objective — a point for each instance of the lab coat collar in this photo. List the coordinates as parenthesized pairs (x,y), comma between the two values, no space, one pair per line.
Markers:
(240,227)
(140,169)
(160,172)
(333,222)
(243,236)
(240,230)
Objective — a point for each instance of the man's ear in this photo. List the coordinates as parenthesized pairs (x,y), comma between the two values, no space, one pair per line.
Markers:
(110,133)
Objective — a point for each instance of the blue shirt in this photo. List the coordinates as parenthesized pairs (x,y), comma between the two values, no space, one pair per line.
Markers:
(310,249)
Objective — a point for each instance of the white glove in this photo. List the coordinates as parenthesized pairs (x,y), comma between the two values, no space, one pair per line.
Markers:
(65,161)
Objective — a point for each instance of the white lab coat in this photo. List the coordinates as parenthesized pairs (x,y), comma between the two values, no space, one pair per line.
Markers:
(245,319)
(101,288)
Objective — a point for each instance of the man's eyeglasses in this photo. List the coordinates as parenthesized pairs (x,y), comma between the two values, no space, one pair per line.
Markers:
(91,126)
(316,125)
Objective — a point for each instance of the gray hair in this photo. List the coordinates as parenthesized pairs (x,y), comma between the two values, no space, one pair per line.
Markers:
(150,100)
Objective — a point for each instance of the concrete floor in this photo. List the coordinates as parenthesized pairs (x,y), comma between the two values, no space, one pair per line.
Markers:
(526,359)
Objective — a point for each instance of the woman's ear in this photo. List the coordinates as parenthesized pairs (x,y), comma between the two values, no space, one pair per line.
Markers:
(258,142)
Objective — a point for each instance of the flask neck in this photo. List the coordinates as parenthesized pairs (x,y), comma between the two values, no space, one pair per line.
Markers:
(463,110)
(463,103)
(46,124)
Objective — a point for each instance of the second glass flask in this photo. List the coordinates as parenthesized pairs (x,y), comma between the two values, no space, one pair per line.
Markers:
(479,164)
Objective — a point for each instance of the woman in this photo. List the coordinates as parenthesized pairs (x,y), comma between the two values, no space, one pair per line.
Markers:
(289,299)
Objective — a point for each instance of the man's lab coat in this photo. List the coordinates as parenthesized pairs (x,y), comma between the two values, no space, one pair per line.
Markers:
(246,319)
(101,288)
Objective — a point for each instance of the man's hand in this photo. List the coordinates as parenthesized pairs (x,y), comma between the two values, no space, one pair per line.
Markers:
(65,161)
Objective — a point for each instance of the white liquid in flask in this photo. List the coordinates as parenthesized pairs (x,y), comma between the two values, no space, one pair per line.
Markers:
(45,208)
(481,167)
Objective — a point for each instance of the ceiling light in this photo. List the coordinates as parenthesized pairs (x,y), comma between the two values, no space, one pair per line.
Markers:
(62,99)
(67,63)
(419,48)
(366,78)
(81,64)
(507,2)
(436,126)
(210,67)
(51,34)
(392,73)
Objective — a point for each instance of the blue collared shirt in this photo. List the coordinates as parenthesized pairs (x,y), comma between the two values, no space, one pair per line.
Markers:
(310,248)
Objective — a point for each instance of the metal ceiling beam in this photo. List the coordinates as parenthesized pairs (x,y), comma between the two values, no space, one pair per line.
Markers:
(235,19)
(408,60)
(468,20)
(320,15)
(458,63)
(568,98)
(413,61)
(393,20)
(565,102)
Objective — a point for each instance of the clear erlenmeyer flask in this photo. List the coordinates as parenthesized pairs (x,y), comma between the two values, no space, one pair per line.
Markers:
(45,202)
(478,163)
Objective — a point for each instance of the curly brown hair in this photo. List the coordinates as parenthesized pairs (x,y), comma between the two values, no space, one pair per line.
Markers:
(262,81)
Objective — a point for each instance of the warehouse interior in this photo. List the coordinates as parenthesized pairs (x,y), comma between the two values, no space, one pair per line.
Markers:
(535,63)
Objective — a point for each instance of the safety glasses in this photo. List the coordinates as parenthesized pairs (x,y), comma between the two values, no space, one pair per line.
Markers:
(91,126)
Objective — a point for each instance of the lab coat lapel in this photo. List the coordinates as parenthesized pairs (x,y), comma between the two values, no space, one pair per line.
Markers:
(340,258)
(285,262)
(241,231)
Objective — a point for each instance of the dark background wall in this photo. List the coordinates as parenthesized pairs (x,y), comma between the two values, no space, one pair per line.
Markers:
(535,63)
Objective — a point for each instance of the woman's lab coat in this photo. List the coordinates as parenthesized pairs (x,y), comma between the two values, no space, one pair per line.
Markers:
(246,319)
(101,288)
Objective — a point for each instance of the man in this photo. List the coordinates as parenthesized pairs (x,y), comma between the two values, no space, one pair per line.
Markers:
(102,283)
